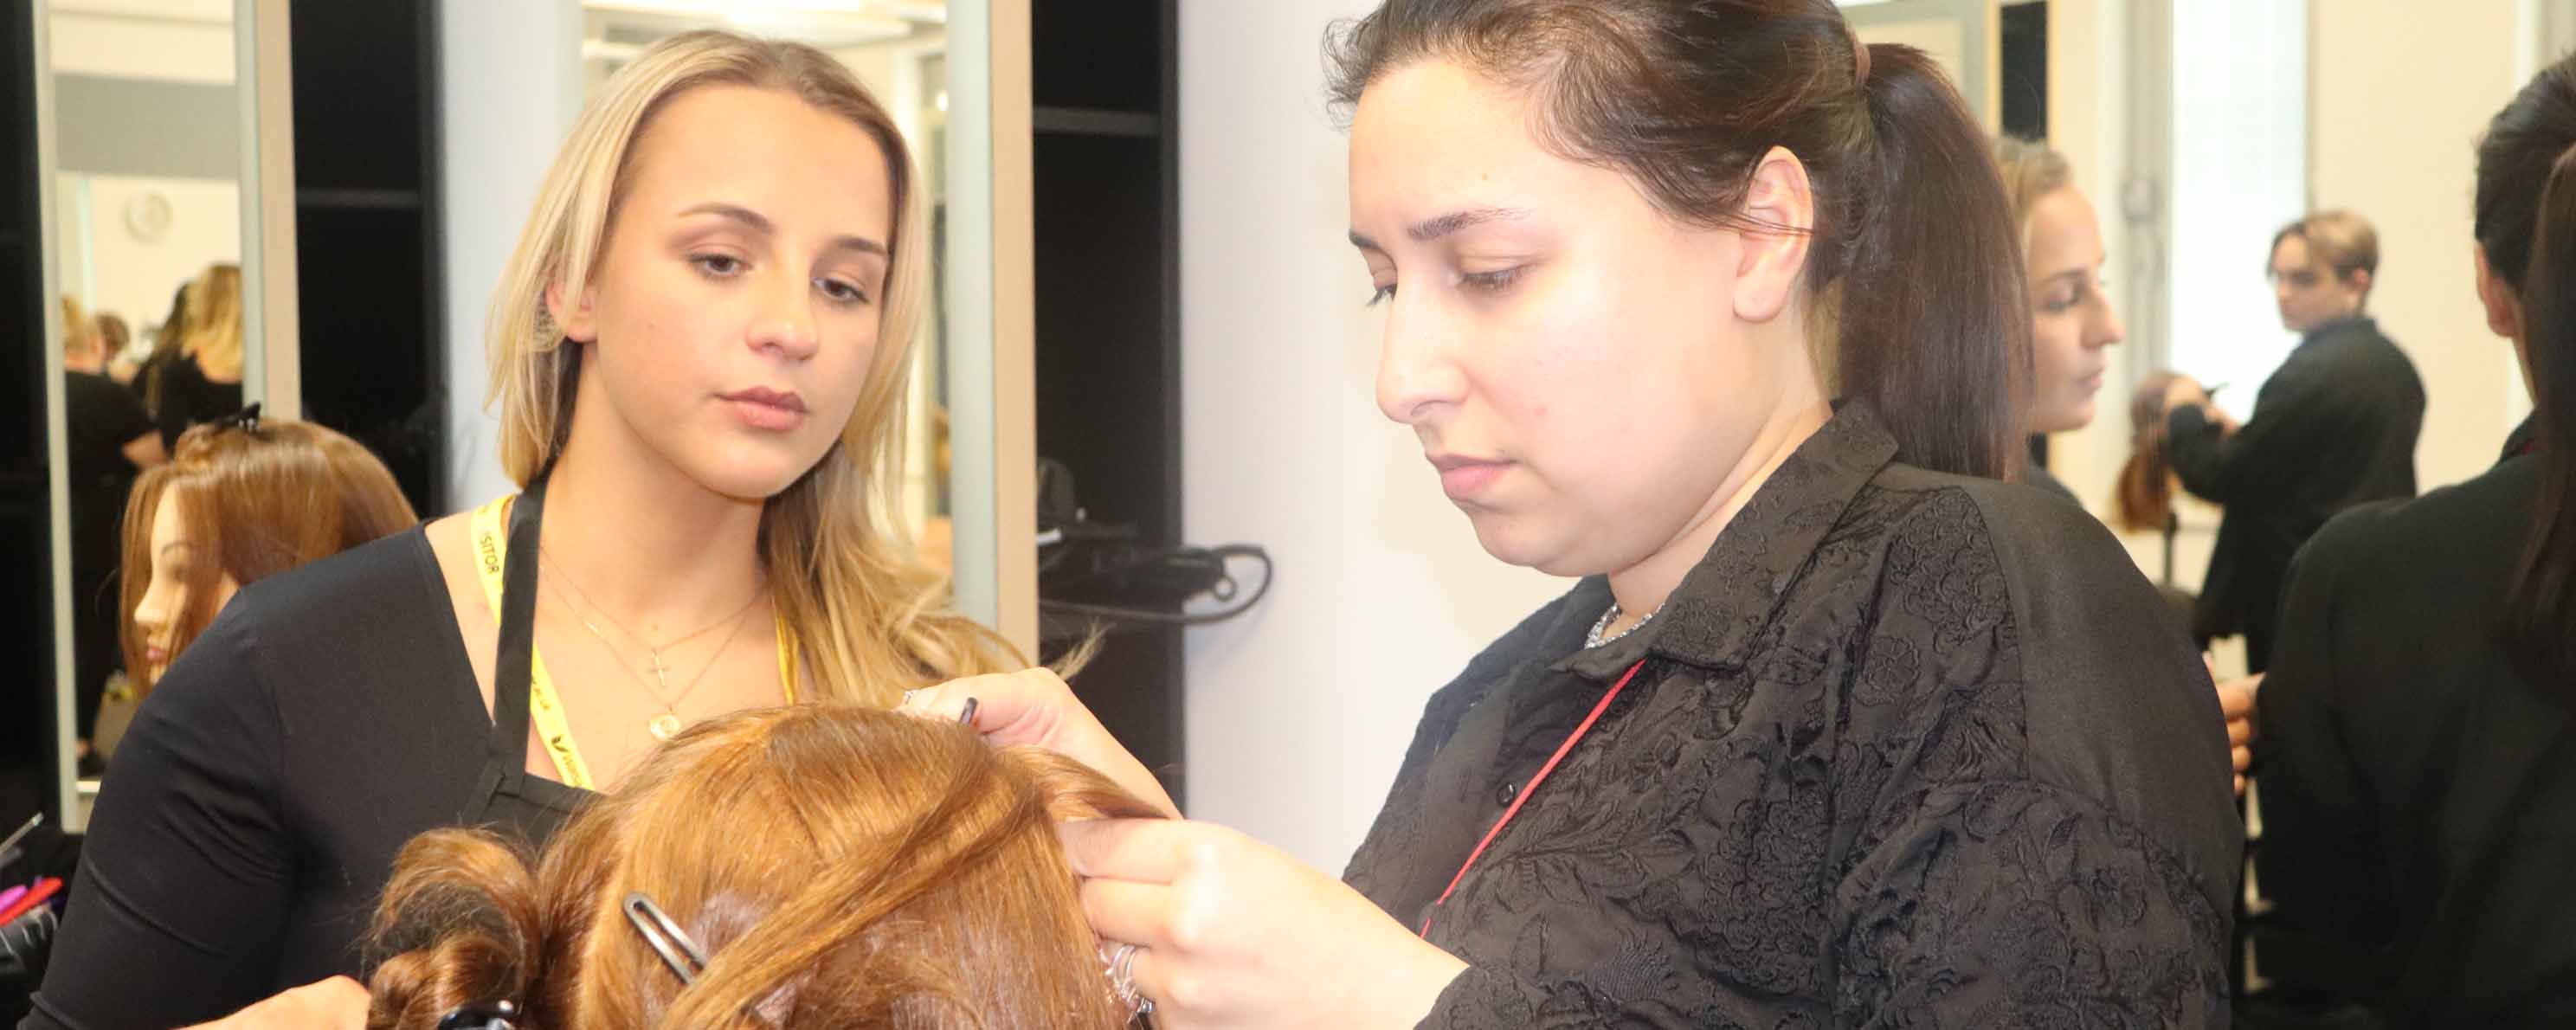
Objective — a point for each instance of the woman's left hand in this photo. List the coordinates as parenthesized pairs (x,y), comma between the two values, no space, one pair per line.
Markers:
(1231,932)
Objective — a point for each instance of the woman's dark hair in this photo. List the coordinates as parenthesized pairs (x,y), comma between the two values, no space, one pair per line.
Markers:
(2526,225)
(2541,618)
(2514,159)
(1686,98)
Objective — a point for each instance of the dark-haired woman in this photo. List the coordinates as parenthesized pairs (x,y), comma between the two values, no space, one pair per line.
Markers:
(1838,729)
(2417,780)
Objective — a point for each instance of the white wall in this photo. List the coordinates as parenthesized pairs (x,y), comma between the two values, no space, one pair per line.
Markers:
(2397,148)
(110,269)
(510,82)
(1300,711)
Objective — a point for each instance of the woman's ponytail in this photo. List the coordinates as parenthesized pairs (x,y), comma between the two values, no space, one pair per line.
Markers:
(1935,323)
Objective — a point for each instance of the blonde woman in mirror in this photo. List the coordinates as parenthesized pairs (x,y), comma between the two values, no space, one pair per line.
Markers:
(698,354)
(201,379)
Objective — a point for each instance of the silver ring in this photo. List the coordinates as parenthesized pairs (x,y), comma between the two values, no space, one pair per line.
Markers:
(1122,979)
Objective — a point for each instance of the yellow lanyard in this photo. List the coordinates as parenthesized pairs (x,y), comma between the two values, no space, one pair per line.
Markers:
(490,555)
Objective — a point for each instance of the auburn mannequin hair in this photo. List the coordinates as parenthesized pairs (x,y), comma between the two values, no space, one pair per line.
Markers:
(839,866)
(256,498)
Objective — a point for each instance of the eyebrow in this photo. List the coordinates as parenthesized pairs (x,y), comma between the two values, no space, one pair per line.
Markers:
(1444,225)
(756,222)
(166,548)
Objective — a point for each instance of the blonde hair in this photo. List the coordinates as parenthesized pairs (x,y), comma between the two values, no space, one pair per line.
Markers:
(838,866)
(213,333)
(2031,171)
(78,334)
(843,575)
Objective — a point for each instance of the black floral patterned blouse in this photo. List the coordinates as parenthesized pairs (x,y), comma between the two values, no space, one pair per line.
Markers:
(1908,750)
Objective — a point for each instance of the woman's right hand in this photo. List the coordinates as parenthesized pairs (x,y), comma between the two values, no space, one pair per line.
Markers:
(1035,708)
(338,1003)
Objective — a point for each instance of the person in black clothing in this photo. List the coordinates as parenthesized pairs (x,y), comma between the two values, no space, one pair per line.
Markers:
(700,404)
(2417,773)
(107,439)
(200,379)
(2335,426)
(1836,729)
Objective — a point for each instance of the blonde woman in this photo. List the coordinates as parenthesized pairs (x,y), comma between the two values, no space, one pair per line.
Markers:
(697,352)
(2072,325)
(201,380)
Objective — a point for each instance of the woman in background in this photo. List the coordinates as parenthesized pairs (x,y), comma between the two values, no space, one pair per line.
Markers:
(202,380)
(2072,324)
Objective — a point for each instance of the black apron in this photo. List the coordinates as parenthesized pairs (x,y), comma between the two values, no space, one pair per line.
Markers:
(505,795)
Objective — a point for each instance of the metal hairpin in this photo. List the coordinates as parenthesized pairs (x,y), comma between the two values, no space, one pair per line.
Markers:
(665,937)
(246,419)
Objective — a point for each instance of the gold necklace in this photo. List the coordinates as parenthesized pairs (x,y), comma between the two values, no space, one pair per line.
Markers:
(668,723)
(661,670)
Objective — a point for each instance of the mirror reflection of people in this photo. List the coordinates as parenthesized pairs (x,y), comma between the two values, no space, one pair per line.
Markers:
(833,865)
(2333,427)
(2072,324)
(116,347)
(107,441)
(2418,769)
(200,379)
(1836,730)
(165,336)
(699,354)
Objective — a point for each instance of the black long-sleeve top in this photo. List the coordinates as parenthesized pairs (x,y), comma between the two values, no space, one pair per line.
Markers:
(2335,426)
(2418,793)
(1907,749)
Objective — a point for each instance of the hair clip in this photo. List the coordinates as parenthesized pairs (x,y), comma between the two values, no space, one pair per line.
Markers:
(246,419)
(665,937)
(502,1014)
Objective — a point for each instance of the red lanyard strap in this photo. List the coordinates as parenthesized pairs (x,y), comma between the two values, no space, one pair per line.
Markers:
(1523,797)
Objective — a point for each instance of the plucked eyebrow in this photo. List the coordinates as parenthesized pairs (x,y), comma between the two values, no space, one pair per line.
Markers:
(756,222)
(1431,229)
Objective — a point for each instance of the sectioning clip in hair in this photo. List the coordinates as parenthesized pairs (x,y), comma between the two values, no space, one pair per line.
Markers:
(665,937)
(482,1015)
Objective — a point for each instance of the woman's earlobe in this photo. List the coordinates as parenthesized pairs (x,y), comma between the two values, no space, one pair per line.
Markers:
(574,319)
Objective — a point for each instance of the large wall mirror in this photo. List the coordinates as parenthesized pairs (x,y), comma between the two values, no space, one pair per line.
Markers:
(158,154)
